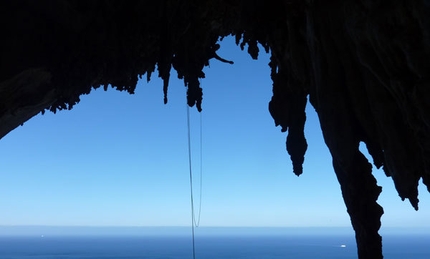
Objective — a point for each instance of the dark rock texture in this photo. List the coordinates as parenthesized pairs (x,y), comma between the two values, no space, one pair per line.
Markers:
(365,66)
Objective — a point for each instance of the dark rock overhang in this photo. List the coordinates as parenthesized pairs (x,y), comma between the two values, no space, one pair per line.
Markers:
(365,66)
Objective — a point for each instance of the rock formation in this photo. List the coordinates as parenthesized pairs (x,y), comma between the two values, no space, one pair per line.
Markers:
(365,66)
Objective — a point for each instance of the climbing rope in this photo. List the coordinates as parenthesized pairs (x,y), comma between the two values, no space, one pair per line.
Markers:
(194,223)
(197,224)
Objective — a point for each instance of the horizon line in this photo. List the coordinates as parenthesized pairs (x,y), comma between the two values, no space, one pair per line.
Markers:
(182,226)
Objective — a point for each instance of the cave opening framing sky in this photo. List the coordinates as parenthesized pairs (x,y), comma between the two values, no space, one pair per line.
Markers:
(121,160)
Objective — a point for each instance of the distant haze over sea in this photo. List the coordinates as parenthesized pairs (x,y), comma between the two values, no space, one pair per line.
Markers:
(144,231)
(203,231)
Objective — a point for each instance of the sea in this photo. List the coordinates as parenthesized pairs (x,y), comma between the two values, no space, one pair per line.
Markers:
(212,243)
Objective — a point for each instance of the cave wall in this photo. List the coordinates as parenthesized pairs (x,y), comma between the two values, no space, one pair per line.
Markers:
(365,67)
(363,64)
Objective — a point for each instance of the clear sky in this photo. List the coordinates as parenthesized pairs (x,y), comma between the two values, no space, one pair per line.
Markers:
(121,160)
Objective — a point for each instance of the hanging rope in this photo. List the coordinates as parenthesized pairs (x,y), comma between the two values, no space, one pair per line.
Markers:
(194,223)
(197,224)
(191,180)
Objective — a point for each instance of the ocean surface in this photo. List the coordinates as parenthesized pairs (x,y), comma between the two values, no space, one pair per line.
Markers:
(242,245)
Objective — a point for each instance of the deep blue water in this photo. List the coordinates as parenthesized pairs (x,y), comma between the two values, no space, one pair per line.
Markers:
(207,247)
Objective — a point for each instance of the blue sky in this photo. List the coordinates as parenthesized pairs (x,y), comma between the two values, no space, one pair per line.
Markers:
(121,160)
